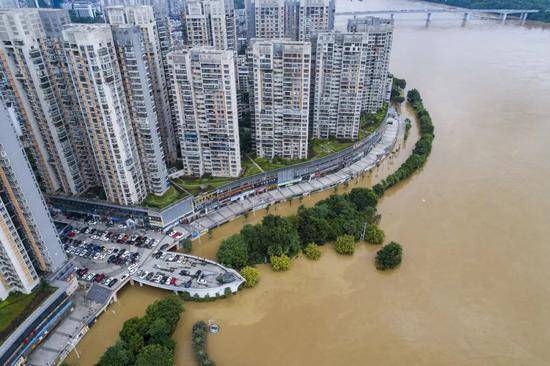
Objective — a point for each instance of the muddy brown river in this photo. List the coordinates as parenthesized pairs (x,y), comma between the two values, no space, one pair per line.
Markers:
(474,285)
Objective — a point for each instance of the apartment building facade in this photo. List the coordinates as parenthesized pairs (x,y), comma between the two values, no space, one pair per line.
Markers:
(341,60)
(210,23)
(279,80)
(204,96)
(143,16)
(33,81)
(377,82)
(314,16)
(267,18)
(132,58)
(94,68)
(29,245)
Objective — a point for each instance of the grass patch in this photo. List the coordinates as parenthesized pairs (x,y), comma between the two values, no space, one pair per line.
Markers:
(171,196)
(371,121)
(320,148)
(204,184)
(249,168)
(17,307)
(276,163)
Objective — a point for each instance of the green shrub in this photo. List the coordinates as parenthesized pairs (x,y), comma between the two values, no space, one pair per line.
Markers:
(186,245)
(251,276)
(345,244)
(280,262)
(389,256)
(374,235)
(312,251)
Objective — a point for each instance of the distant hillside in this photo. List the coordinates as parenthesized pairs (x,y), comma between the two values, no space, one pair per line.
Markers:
(542,5)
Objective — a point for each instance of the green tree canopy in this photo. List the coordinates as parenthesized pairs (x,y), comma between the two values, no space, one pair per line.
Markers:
(345,244)
(251,276)
(363,198)
(389,256)
(374,235)
(312,251)
(116,355)
(155,355)
(233,252)
(280,262)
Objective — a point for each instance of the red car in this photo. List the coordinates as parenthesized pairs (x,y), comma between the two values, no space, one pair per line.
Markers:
(99,277)
(71,234)
(173,281)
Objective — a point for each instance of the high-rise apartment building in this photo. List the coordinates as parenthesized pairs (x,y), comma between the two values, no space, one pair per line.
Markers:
(279,97)
(92,61)
(34,81)
(314,16)
(210,23)
(380,33)
(144,18)
(204,96)
(340,65)
(267,18)
(132,58)
(29,244)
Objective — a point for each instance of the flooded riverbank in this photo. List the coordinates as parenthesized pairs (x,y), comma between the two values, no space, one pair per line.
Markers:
(472,288)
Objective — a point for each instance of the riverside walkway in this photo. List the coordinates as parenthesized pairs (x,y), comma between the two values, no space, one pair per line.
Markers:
(380,150)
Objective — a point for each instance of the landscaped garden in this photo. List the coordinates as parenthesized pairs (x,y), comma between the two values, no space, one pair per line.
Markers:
(17,307)
(160,202)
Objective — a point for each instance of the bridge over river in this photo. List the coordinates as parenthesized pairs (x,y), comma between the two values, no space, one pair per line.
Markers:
(502,13)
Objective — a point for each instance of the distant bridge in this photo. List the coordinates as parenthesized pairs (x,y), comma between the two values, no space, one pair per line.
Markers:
(503,13)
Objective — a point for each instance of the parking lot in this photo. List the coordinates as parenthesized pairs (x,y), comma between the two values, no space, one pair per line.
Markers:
(107,253)
(182,272)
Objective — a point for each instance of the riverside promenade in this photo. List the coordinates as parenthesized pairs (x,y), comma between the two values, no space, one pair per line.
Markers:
(386,143)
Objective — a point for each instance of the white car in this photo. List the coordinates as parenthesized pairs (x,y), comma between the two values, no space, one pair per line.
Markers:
(154,242)
(132,271)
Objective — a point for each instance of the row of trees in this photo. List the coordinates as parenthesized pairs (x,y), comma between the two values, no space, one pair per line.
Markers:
(147,340)
(421,150)
(277,239)
(200,333)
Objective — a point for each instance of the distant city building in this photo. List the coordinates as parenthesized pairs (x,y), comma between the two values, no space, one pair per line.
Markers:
(341,61)
(279,80)
(144,18)
(314,16)
(93,64)
(204,97)
(29,54)
(210,23)
(243,92)
(133,61)
(380,33)
(9,4)
(267,18)
(162,8)
(29,244)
